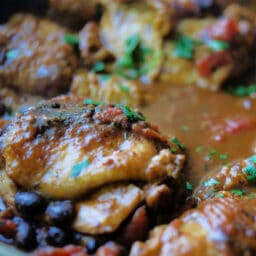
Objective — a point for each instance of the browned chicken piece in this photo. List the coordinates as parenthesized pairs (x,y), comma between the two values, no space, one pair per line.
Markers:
(218,226)
(209,51)
(134,34)
(181,8)
(64,148)
(91,47)
(108,88)
(237,177)
(95,214)
(13,101)
(35,59)
(73,12)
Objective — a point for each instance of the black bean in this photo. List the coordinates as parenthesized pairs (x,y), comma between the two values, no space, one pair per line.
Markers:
(29,203)
(55,105)
(2,109)
(60,212)
(57,237)
(25,236)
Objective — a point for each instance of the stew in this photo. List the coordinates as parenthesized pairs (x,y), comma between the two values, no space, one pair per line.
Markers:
(127,127)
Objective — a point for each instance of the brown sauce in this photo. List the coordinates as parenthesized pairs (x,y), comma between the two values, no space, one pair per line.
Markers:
(216,128)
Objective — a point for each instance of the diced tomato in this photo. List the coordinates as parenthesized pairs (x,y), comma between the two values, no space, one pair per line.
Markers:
(231,125)
(224,29)
(240,125)
(7,227)
(69,250)
(207,64)
(110,249)
(109,114)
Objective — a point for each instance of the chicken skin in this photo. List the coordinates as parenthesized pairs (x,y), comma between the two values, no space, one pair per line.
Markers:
(218,226)
(36,58)
(237,177)
(108,88)
(65,148)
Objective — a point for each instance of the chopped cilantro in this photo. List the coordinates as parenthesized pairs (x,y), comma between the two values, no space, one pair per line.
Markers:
(241,90)
(199,149)
(252,196)
(133,64)
(124,88)
(131,114)
(132,43)
(173,150)
(211,182)
(189,186)
(253,159)
(250,171)
(184,47)
(13,54)
(104,77)
(210,154)
(220,195)
(185,128)
(238,192)
(71,39)
(217,45)
(178,143)
(77,168)
(91,102)
(98,66)
(223,157)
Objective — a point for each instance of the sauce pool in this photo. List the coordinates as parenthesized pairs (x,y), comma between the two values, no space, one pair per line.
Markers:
(216,128)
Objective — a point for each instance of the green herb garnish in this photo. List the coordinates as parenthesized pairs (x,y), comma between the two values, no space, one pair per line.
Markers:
(92,102)
(134,63)
(252,196)
(211,182)
(77,168)
(184,47)
(98,66)
(238,192)
(210,154)
(173,150)
(71,39)
(219,195)
(253,159)
(185,128)
(199,149)
(241,91)
(223,157)
(250,171)
(189,186)
(13,54)
(104,77)
(178,143)
(124,88)
(131,114)
(217,45)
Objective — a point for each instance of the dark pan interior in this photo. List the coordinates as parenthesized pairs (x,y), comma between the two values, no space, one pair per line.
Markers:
(9,7)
